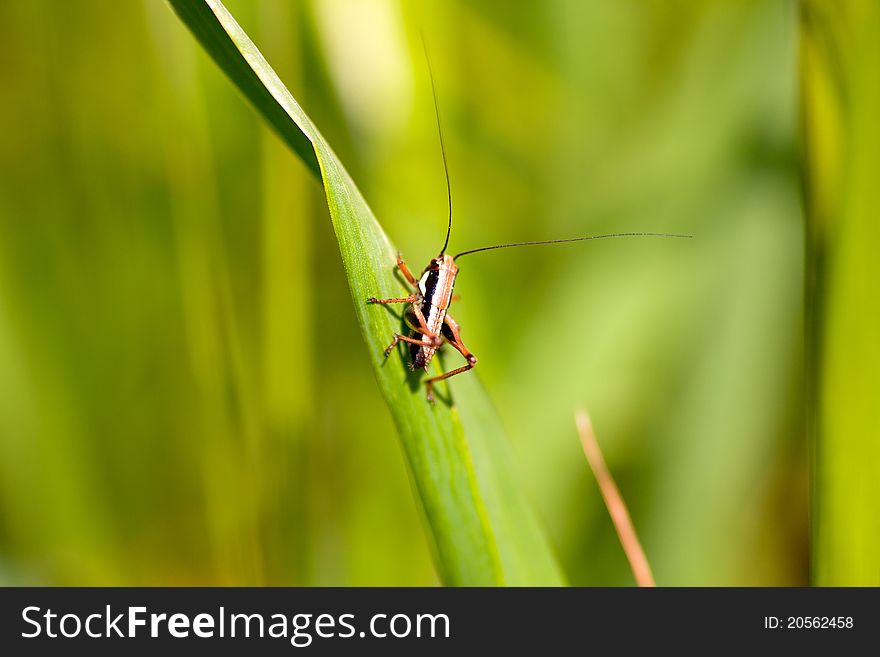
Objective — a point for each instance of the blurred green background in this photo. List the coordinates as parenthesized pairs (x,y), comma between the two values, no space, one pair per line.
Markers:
(185,397)
(840,57)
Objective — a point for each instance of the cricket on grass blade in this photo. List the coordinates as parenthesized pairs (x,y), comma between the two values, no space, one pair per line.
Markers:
(427,314)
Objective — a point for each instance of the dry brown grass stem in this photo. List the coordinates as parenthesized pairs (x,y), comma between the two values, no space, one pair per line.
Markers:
(613,500)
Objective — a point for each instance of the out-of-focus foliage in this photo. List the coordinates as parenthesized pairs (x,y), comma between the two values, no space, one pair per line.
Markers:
(184,395)
(841,97)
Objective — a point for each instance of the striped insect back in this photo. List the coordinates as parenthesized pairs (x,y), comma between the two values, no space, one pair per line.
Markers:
(435,288)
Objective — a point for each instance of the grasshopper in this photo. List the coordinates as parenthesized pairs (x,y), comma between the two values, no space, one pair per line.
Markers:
(427,314)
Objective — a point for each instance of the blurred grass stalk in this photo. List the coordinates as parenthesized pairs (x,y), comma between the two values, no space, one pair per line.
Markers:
(840,52)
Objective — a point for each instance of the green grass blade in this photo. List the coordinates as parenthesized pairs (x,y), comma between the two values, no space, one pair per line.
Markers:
(482,529)
(280,111)
(840,55)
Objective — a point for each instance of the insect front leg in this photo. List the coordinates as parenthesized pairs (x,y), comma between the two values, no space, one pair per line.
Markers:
(409,299)
(407,274)
(452,332)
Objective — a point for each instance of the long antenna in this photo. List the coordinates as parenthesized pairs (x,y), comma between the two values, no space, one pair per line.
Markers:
(573,239)
(442,145)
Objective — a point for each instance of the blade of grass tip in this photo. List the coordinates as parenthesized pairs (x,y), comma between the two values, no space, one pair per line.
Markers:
(614,501)
(482,529)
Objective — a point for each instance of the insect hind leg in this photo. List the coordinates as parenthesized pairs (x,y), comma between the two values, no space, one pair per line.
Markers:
(452,333)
